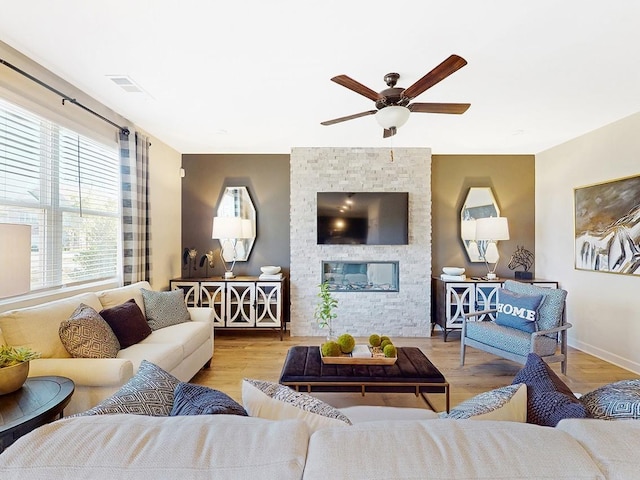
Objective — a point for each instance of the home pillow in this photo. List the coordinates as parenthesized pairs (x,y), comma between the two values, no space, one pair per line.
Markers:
(86,335)
(506,403)
(191,399)
(148,392)
(164,309)
(127,322)
(615,401)
(549,399)
(518,311)
(277,402)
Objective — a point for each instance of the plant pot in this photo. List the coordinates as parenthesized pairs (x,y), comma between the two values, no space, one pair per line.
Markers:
(13,377)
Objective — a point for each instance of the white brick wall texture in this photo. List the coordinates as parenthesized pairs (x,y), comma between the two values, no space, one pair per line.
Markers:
(402,314)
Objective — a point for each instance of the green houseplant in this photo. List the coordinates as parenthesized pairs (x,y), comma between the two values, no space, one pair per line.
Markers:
(324,313)
(14,367)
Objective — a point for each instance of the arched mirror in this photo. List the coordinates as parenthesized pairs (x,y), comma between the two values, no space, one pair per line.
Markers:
(236,203)
(479,203)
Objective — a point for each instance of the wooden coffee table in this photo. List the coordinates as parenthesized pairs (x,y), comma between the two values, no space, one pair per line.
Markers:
(39,401)
(413,372)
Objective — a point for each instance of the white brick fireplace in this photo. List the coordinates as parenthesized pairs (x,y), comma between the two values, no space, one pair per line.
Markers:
(403,313)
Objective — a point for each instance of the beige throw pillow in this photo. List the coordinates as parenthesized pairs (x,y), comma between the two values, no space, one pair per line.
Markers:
(86,335)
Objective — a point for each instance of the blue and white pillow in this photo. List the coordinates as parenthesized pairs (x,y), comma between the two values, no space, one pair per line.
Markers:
(615,401)
(505,403)
(518,311)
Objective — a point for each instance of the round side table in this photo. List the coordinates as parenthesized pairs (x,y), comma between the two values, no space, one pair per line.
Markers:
(39,401)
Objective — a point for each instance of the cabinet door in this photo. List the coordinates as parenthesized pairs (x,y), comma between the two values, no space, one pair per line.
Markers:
(212,295)
(240,304)
(268,304)
(191,292)
(459,299)
(486,299)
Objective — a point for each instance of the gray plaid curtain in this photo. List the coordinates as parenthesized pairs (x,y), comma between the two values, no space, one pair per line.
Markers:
(136,241)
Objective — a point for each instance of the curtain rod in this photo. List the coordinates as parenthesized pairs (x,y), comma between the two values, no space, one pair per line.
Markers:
(67,98)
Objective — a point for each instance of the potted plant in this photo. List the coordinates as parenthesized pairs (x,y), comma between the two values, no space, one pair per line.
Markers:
(324,313)
(14,367)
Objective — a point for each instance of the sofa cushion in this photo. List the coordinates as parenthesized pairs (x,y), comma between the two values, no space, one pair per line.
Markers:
(189,335)
(128,447)
(506,403)
(127,322)
(447,449)
(517,310)
(86,335)
(549,398)
(163,309)
(614,446)
(149,392)
(509,339)
(116,296)
(379,413)
(615,401)
(191,399)
(550,311)
(37,327)
(166,355)
(278,402)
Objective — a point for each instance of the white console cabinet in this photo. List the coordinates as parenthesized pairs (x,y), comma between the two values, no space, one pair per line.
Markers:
(241,302)
(451,299)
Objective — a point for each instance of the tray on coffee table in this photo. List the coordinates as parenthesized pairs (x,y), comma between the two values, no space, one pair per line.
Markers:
(359,357)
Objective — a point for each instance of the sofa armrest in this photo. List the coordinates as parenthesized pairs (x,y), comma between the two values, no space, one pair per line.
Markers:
(94,372)
(201,314)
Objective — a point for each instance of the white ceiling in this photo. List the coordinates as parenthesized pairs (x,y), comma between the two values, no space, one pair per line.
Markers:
(252,76)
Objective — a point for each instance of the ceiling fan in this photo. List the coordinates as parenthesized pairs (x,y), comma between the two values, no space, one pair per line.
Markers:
(393,104)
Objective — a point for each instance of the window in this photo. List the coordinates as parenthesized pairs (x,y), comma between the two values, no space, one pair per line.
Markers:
(67,187)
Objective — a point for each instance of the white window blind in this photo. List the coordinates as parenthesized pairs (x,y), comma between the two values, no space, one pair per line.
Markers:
(66,186)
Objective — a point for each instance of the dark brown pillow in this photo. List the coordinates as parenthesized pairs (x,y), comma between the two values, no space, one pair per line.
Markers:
(127,322)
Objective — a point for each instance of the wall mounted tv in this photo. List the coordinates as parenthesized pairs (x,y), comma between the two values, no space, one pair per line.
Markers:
(363,218)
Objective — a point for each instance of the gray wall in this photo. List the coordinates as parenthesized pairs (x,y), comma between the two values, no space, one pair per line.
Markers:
(512,178)
(267,179)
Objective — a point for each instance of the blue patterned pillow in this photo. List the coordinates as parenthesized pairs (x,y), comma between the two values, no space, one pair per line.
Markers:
(615,401)
(549,400)
(518,311)
(164,309)
(190,399)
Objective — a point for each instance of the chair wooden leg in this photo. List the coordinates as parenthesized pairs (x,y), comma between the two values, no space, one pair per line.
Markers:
(563,365)
(462,352)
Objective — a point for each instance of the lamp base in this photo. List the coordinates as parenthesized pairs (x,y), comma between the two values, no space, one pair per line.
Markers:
(491,276)
(229,275)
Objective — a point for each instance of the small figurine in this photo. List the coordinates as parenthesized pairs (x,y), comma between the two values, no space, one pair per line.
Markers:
(521,258)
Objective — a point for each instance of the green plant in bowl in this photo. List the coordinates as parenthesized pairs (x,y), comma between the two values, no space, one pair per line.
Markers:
(10,356)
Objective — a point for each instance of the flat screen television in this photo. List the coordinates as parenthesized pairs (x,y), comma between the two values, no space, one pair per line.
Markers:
(363,218)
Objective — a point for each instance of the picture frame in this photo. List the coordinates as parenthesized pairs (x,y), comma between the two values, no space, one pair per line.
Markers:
(607,226)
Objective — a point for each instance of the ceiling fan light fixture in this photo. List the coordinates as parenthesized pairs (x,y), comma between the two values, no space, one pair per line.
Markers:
(393,116)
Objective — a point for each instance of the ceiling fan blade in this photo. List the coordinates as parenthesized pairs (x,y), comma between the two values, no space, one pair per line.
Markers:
(350,117)
(357,87)
(442,71)
(456,108)
(389,132)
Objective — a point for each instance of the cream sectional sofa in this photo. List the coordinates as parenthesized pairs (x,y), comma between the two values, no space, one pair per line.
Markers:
(233,447)
(181,350)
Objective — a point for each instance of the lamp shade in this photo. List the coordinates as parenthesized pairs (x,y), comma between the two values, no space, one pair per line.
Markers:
(15,259)
(492,228)
(227,227)
(468,230)
(392,116)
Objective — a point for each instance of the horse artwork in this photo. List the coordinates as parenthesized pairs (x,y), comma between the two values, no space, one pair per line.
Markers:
(607,227)
(521,258)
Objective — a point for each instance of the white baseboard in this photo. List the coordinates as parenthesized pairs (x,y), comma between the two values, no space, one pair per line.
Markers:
(606,356)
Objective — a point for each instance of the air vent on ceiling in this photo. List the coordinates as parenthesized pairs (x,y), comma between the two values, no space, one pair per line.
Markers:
(125,83)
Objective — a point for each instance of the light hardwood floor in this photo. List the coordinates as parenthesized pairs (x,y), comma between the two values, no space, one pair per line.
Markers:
(260,355)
